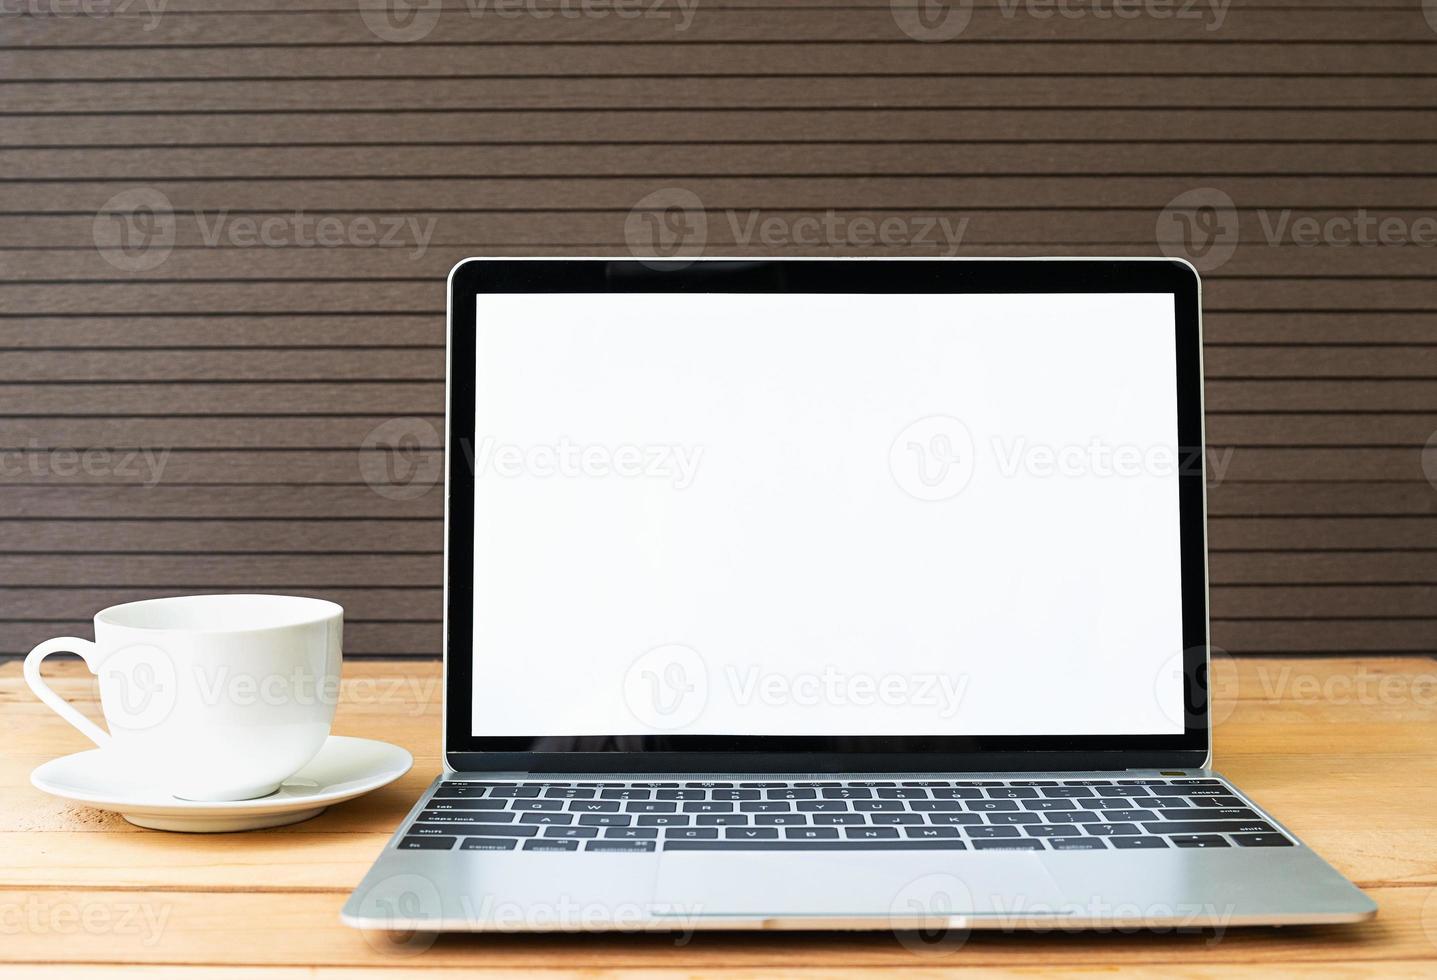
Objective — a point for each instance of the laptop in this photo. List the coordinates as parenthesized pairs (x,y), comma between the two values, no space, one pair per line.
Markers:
(830,594)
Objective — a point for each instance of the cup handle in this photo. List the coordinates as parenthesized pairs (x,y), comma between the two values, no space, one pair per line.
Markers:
(87,652)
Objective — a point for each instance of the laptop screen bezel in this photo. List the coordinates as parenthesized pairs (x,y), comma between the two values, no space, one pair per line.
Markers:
(466,752)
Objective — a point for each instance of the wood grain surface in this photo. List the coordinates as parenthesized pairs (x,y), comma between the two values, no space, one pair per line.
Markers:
(1338,749)
(196,422)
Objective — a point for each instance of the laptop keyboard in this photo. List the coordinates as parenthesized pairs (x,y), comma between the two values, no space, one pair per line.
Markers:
(861,815)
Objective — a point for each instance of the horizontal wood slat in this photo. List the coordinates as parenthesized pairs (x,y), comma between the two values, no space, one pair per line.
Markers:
(414,248)
(238,502)
(241,330)
(989,22)
(548,95)
(88,126)
(683,160)
(423,296)
(979,57)
(809,193)
(302,432)
(427,536)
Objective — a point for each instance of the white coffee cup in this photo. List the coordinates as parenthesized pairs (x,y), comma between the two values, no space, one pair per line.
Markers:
(225,695)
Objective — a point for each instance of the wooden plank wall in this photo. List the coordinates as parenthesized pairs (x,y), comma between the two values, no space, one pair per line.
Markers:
(224,376)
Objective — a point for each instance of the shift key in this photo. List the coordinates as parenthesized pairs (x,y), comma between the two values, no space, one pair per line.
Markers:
(475,829)
(1211,827)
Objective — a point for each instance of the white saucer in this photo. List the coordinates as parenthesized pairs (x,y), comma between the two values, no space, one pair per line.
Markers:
(344,768)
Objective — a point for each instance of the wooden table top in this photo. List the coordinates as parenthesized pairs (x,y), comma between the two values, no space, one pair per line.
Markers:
(1342,751)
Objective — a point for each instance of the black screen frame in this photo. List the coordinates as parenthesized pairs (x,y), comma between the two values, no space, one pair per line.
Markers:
(465,752)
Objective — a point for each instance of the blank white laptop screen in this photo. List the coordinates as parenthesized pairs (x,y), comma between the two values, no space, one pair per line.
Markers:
(835,515)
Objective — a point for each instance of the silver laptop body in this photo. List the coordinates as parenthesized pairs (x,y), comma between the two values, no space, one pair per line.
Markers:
(767,454)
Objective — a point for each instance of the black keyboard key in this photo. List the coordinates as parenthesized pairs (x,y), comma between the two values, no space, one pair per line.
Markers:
(709,785)
(680,794)
(551,844)
(708,806)
(546,818)
(622,846)
(1139,842)
(869,833)
(1261,840)
(568,793)
(1051,830)
(478,829)
(955,819)
(763,785)
(780,819)
(935,806)
(1067,792)
(721,819)
(489,844)
(991,806)
(1006,819)
(1142,782)
(789,793)
(571,833)
(605,820)
(927,833)
(1087,782)
(514,792)
(1013,793)
(822,806)
(1211,827)
(749,833)
(811,833)
(1033,782)
(484,804)
(593,806)
(1129,816)
(1200,840)
(838,819)
(766,806)
(890,819)
(650,806)
(626,794)
(459,793)
(426,843)
(461,816)
(735,794)
(1214,802)
(531,806)
(1190,791)
(690,833)
(1111,829)
(879,806)
(665,820)
(815,845)
(1106,803)
(903,793)
(1044,806)
(847,793)
(1197,782)
(1008,845)
(1165,803)
(1080,843)
(868,782)
(1199,813)
(958,793)
(990,833)
(630,833)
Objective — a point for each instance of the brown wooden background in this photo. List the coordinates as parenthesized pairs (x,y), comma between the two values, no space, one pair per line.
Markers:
(262,369)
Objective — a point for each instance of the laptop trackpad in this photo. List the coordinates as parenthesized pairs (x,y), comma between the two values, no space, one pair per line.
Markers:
(828,883)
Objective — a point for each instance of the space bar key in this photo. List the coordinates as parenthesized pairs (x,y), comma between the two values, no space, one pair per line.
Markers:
(946,844)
